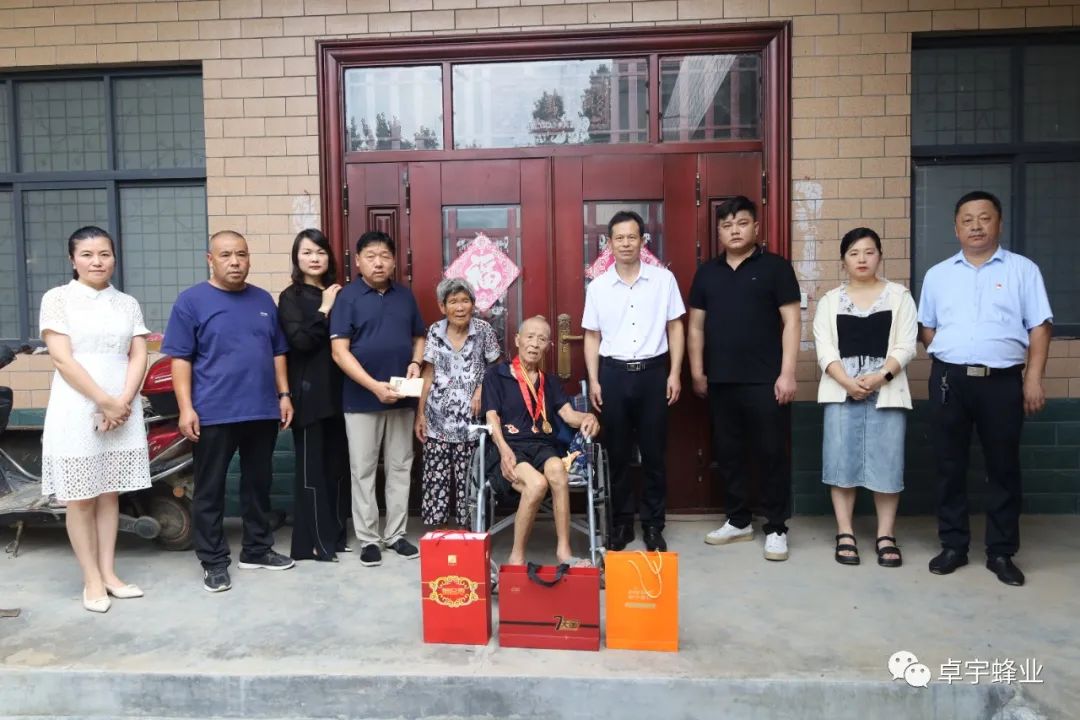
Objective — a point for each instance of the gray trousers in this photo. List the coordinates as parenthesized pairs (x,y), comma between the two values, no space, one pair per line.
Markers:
(391,430)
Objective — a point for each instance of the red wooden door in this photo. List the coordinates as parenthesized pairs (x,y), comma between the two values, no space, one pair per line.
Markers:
(677,196)
(548,216)
(506,200)
(433,209)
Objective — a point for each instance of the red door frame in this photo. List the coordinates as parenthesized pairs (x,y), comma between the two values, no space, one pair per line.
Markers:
(773,39)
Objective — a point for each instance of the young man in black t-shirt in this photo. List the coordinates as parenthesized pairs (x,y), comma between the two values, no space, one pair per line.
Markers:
(743,342)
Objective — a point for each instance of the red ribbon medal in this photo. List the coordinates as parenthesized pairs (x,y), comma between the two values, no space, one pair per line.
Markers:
(528,392)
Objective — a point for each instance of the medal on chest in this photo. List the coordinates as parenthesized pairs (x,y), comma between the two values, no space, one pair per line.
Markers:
(533,395)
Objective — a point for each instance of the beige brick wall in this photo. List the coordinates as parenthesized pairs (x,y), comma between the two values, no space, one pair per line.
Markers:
(850,87)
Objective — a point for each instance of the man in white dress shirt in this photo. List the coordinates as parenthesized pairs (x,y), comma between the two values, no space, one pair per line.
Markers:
(634,344)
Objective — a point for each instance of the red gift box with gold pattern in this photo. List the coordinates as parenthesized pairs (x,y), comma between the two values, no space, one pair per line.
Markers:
(455,587)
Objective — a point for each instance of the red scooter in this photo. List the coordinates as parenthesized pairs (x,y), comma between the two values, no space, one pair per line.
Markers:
(161,512)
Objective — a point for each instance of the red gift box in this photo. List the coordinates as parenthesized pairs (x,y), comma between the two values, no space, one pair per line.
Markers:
(549,607)
(456,587)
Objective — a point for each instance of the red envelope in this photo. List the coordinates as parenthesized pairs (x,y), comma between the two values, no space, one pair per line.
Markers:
(455,587)
(549,607)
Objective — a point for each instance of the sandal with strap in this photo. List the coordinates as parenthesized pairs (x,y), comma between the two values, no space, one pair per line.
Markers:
(848,547)
(882,551)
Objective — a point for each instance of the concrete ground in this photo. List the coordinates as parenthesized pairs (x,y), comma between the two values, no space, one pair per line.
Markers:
(807,638)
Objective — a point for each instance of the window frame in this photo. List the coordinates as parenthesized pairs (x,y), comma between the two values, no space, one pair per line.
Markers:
(111,179)
(1017,153)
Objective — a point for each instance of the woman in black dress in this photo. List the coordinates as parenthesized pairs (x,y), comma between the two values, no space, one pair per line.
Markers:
(322,451)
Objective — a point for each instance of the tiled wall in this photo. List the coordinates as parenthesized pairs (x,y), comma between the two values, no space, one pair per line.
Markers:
(850,125)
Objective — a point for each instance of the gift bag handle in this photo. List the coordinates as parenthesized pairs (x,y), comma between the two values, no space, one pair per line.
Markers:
(656,570)
(533,571)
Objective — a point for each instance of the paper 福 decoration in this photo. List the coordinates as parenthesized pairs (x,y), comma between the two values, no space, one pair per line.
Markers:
(487,268)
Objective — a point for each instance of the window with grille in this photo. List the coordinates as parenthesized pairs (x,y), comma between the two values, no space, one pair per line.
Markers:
(123,150)
(1000,113)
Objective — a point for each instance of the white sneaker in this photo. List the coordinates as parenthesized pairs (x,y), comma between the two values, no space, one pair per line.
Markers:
(728,533)
(776,546)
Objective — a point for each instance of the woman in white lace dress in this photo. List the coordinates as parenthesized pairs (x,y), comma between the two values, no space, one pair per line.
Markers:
(94,444)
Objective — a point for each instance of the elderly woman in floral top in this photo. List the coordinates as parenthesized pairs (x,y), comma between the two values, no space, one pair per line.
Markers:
(457,352)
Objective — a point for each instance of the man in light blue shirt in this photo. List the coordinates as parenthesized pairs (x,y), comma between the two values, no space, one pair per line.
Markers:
(983,315)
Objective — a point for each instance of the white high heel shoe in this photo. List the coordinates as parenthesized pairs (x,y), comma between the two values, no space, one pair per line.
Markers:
(98,605)
(124,592)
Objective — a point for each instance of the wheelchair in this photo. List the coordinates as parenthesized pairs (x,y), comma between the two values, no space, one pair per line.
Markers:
(590,480)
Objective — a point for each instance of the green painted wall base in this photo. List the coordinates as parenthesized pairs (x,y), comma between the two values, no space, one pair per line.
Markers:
(1049,455)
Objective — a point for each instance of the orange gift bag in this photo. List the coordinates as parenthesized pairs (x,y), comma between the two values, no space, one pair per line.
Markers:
(642,600)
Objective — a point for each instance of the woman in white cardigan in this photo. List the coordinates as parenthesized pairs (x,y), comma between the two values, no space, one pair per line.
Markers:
(864,333)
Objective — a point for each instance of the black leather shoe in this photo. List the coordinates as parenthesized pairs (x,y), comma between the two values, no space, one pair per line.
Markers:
(947,561)
(1002,566)
(621,536)
(654,540)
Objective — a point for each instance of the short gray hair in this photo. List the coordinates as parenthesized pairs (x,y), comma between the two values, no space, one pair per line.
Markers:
(534,318)
(452,286)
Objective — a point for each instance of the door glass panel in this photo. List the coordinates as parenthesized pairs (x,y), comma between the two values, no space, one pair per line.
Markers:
(49,216)
(550,102)
(599,212)
(502,225)
(393,108)
(710,97)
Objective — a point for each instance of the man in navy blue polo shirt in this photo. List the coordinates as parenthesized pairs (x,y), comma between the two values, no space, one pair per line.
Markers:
(228,369)
(520,403)
(983,313)
(376,333)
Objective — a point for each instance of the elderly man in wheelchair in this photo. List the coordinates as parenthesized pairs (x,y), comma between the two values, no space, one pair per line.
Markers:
(520,404)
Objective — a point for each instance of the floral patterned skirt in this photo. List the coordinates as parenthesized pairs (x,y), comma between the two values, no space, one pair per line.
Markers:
(445,482)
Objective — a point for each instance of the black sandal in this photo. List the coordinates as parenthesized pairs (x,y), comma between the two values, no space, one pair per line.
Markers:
(848,547)
(889,550)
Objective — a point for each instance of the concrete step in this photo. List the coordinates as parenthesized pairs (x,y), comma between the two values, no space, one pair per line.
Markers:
(803,639)
(94,694)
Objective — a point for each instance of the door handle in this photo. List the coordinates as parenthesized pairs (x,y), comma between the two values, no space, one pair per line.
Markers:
(565,338)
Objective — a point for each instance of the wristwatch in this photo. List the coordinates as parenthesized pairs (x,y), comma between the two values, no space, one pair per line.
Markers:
(285,394)
(888,375)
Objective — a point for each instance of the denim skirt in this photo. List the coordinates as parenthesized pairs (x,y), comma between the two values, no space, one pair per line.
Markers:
(864,446)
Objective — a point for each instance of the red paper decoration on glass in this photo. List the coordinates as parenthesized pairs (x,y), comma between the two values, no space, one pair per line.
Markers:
(488,269)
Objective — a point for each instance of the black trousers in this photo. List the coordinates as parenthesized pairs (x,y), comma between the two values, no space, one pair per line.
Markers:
(321,489)
(994,406)
(635,409)
(747,416)
(217,444)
